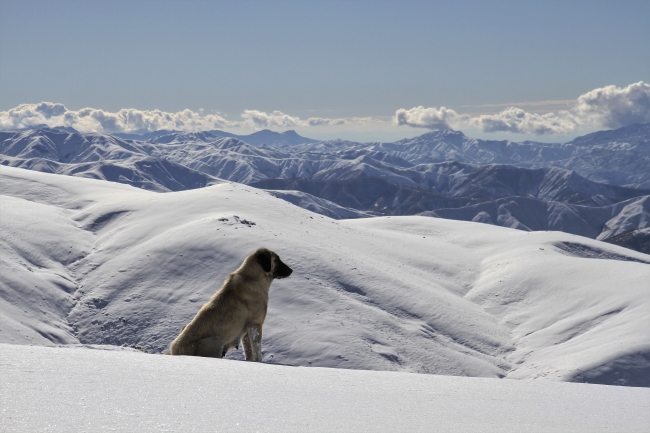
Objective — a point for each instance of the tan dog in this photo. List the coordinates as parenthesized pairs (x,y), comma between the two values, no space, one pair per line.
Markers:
(236,312)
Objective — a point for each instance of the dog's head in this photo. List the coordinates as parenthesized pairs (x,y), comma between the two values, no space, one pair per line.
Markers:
(271,263)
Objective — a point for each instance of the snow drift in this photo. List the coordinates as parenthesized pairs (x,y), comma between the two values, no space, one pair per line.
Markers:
(75,389)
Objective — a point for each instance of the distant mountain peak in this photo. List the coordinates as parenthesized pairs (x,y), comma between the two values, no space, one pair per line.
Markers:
(183,137)
(272,138)
(637,133)
(291,133)
(444,133)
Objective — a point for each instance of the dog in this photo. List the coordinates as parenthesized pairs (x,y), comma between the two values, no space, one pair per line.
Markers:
(235,313)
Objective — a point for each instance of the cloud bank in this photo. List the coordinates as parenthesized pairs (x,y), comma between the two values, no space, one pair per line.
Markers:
(140,121)
(260,119)
(321,121)
(608,107)
(128,120)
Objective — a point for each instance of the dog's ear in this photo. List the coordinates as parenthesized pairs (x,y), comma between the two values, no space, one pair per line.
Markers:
(263,257)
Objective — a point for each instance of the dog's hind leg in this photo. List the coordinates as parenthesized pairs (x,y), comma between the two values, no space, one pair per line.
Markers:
(179,347)
(182,345)
(252,342)
(211,347)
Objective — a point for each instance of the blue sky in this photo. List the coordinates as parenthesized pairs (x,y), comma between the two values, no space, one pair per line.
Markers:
(323,59)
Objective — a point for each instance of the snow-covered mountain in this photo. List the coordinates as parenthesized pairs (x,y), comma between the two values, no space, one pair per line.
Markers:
(94,262)
(153,174)
(346,179)
(259,138)
(626,223)
(233,159)
(269,138)
(457,180)
(617,157)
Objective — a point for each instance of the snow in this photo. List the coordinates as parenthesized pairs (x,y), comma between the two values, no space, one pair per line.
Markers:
(94,262)
(319,205)
(401,178)
(80,389)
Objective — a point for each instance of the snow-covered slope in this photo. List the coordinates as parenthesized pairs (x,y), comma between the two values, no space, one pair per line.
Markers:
(617,157)
(381,178)
(97,262)
(153,174)
(319,205)
(525,213)
(370,194)
(453,179)
(84,390)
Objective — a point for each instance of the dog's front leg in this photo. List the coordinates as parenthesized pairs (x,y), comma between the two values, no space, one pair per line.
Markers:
(248,347)
(256,337)
(252,342)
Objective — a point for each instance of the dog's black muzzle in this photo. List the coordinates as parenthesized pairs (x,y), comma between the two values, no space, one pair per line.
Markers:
(282,271)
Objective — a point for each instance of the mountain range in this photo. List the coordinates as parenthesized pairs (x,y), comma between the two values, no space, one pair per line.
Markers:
(593,186)
(88,262)
(264,137)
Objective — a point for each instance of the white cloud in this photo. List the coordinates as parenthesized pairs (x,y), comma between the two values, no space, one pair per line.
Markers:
(519,121)
(95,120)
(324,121)
(130,120)
(606,107)
(511,120)
(614,107)
(259,119)
(431,118)
(320,121)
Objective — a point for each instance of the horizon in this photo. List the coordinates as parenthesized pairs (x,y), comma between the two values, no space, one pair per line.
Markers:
(129,135)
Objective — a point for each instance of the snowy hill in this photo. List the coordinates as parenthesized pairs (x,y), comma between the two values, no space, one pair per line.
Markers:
(153,174)
(353,179)
(94,262)
(628,219)
(84,390)
(319,205)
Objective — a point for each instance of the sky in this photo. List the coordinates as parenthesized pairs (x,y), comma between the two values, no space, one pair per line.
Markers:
(327,68)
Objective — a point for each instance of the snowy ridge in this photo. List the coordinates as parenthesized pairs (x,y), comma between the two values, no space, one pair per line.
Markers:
(410,162)
(86,261)
(524,213)
(319,205)
(264,137)
(373,178)
(452,179)
(617,157)
(145,172)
